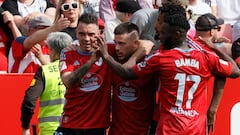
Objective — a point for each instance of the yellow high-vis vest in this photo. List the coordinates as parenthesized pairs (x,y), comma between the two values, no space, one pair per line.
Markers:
(51,100)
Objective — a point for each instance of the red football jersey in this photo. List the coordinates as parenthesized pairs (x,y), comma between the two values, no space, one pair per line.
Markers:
(183,76)
(88,104)
(132,107)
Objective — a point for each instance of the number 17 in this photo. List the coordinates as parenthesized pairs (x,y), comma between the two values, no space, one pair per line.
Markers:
(183,78)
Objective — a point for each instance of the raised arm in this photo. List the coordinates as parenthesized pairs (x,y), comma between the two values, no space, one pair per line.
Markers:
(121,70)
(8,18)
(70,79)
(42,34)
(145,47)
(224,56)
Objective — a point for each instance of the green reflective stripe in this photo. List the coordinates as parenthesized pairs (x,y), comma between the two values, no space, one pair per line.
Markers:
(49,119)
(51,102)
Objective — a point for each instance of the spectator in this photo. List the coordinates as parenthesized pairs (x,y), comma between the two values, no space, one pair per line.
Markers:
(47,86)
(198,8)
(230,14)
(181,102)
(23,11)
(207,26)
(6,37)
(207,2)
(157,3)
(195,9)
(101,24)
(70,9)
(95,5)
(88,7)
(27,54)
(10,28)
(6,29)
(124,10)
(236,51)
(133,100)
(106,10)
(146,19)
(236,31)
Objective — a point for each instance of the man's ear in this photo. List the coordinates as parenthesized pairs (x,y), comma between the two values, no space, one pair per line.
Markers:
(211,32)
(137,42)
(178,34)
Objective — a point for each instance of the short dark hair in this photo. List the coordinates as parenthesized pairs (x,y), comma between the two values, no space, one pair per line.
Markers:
(171,8)
(126,27)
(129,28)
(88,19)
(178,21)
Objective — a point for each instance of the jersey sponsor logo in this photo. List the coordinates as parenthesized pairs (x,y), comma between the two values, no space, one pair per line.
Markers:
(91,82)
(127,92)
(187,62)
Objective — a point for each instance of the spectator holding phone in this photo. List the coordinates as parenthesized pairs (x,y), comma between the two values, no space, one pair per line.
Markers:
(70,9)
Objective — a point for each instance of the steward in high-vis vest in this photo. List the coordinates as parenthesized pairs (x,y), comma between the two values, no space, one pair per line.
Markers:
(52,99)
(48,87)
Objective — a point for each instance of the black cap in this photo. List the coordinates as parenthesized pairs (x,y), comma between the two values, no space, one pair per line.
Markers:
(207,22)
(127,6)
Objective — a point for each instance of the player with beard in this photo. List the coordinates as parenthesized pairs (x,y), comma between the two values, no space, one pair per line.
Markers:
(183,73)
(133,100)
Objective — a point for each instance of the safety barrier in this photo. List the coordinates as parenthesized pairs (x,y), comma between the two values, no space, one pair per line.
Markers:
(13,87)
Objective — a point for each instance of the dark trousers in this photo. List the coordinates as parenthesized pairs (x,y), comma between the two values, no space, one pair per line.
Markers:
(153,127)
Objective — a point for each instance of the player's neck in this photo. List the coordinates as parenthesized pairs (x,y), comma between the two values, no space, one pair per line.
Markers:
(183,46)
